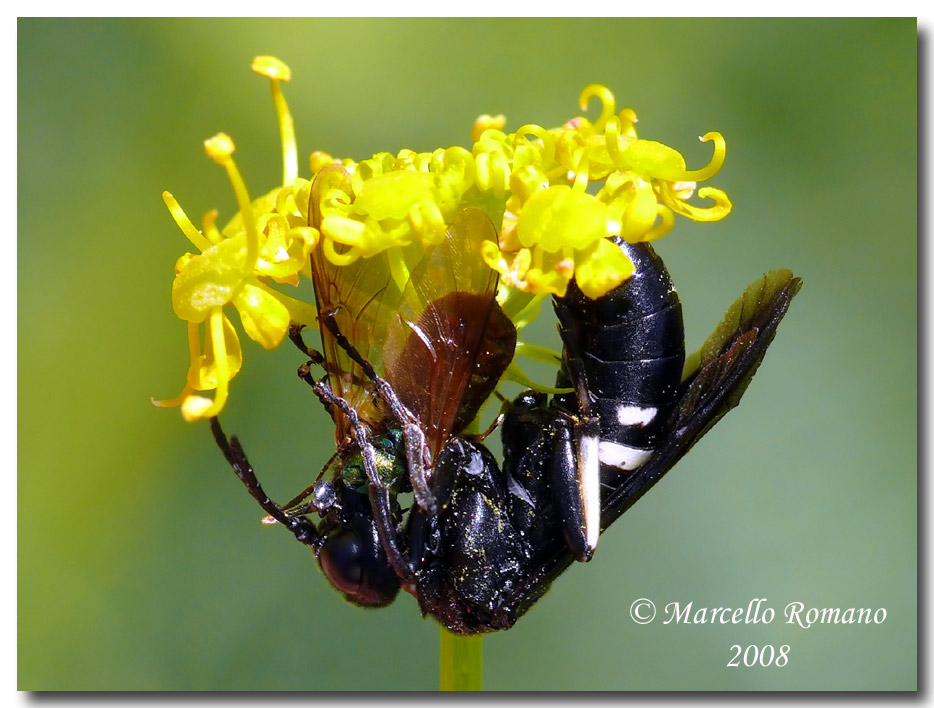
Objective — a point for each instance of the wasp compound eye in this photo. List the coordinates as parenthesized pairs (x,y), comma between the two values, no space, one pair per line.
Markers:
(356,566)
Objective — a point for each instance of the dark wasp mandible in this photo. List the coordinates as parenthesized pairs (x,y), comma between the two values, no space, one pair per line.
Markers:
(408,363)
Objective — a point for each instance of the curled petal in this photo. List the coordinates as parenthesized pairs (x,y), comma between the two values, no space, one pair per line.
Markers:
(411,161)
(722,205)
(174,402)
(286,250)
(716,162)
(456,172)
(662,228)
(349,232)
(493,141)
(493,257)
(609,103)
(492,173)
(627,122)
(540,152)
(346,257)
(513,267)
(616,144)
(366,237)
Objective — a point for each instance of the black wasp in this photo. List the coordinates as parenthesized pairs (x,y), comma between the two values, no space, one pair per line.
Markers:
(410,357)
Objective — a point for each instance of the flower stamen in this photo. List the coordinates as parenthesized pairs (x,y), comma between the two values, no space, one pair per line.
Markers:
(220,148)
(198,240)
(277,71)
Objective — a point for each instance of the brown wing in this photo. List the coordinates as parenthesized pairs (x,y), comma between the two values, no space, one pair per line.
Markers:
(362,297)
(449,342)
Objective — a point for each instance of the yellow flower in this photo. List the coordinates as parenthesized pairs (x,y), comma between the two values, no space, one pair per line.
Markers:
(555,196)
(268,239)
(554,229)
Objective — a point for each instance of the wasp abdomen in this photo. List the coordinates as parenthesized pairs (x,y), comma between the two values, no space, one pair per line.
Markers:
(624,355)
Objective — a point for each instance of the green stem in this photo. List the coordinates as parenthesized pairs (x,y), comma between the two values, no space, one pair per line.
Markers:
(461,662)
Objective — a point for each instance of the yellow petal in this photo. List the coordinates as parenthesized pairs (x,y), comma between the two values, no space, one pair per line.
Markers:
(264,318)
(209,280)
(203,376)
(640,214)
(390,196)
(655,159)
(605,268)
(560,217)
(196,407)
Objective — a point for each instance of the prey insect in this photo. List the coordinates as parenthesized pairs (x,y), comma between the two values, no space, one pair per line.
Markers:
(410,356)
(411,349)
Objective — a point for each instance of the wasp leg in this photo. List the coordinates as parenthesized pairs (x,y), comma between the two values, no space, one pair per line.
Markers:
(575,482)
(415,448)
(301,528)
(380,498)
(327,401)
(295,336)
(575,463)
(292,506)
(505,405)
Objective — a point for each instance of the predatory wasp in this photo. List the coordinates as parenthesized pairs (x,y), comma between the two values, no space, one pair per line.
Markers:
(411,354)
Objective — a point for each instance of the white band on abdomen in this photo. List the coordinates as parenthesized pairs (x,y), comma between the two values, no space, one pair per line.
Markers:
(622,456)
(635,415)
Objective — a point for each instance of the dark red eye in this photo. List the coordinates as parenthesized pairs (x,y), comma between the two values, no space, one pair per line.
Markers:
(341,559)
(356,565)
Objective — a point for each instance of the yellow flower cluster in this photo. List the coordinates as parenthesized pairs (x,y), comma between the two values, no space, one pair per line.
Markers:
(534,185)
(538,186)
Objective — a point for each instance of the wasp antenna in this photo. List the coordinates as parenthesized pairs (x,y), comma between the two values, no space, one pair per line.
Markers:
(302,529)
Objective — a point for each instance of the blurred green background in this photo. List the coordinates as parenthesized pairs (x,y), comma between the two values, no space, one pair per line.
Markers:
(141,561)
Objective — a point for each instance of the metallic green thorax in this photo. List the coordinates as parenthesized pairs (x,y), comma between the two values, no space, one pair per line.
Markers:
(389,453)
